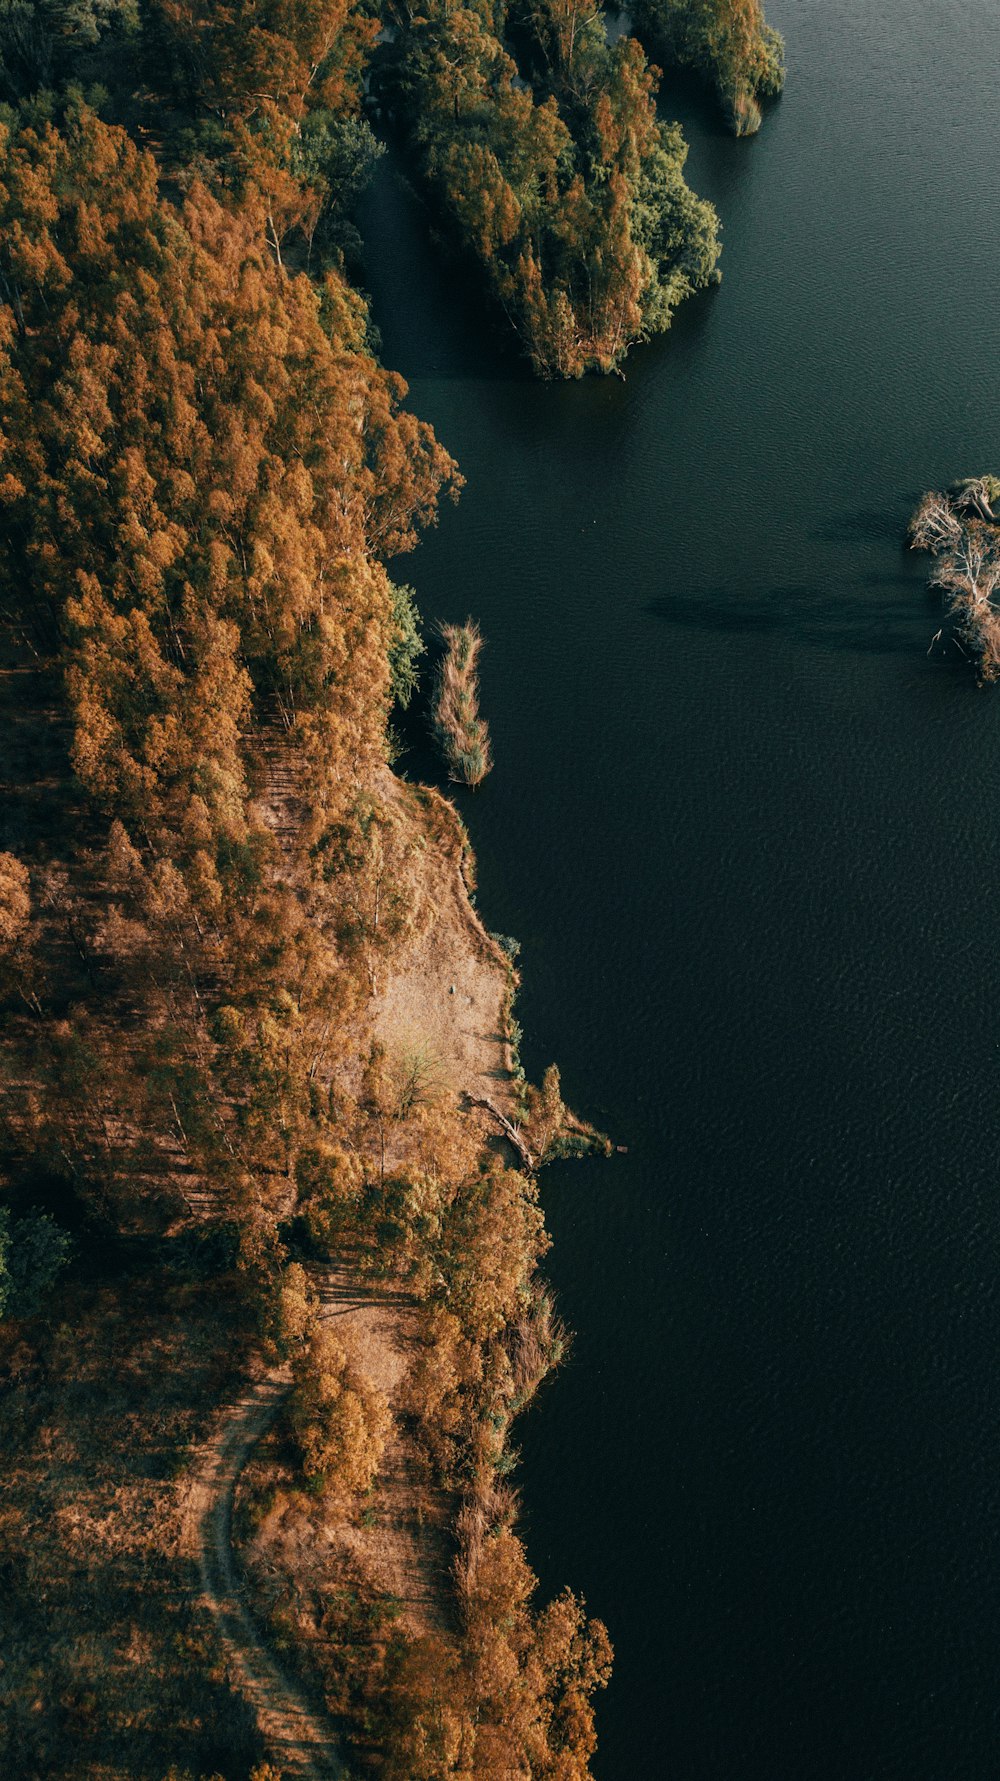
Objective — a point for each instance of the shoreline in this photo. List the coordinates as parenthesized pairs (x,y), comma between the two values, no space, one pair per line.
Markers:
(451,980)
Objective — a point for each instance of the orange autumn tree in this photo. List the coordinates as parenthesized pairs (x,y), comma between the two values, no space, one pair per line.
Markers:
(557,175)
(282,82)
(205,536)
(518,1701)
(200,468)
(240,56)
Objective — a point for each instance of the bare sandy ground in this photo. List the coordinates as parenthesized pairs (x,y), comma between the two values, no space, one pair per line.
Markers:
(447,987)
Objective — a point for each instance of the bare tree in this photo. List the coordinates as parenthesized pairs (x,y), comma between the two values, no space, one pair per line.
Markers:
(969,577)
(961,531)
(418,1076)
(935,526)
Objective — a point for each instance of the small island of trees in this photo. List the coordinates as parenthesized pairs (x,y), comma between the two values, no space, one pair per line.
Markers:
(554,172)
(961,531)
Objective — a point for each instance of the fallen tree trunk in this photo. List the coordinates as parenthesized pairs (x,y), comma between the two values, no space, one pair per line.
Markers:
(510,1131)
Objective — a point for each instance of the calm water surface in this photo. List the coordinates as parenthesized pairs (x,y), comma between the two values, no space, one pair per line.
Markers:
(747,833)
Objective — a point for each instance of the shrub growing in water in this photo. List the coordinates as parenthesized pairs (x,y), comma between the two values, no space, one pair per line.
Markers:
(463,735)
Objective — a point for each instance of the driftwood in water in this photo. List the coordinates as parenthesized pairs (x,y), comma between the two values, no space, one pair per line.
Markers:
(973,500)
(509,1131)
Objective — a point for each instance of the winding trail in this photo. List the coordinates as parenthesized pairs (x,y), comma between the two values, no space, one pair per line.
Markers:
(449,988)
(297,1740)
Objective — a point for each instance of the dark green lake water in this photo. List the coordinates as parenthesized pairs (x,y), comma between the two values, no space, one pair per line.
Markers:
(748,835)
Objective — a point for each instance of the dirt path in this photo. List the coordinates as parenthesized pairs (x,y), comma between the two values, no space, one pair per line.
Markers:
(405,1553)
(297,1740)
(446,994)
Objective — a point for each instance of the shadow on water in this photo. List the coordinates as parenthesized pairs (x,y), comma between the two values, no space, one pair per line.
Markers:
(434,315)
(418,758)
(873,525)
(811,616)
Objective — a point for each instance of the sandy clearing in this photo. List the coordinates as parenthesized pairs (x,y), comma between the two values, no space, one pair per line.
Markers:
(447,986)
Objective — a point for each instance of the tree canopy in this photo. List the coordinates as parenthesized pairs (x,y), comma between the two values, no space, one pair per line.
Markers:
(729,41)
(204,470)
(556,174)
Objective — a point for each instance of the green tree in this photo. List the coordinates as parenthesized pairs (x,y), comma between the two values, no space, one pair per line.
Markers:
(407,645)
(727,40)
(33,1251)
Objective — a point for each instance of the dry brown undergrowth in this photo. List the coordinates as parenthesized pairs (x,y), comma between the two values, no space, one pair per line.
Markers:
(111,1670)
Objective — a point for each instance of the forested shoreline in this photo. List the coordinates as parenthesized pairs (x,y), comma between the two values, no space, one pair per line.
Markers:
(208,894)
(554,173)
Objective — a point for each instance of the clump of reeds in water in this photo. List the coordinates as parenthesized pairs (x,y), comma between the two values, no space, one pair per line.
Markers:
(455,720)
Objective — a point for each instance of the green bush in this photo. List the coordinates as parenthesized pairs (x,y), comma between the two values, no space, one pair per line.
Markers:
(33,1250)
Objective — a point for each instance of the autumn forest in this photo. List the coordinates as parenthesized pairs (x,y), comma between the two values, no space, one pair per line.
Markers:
(270,1231)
